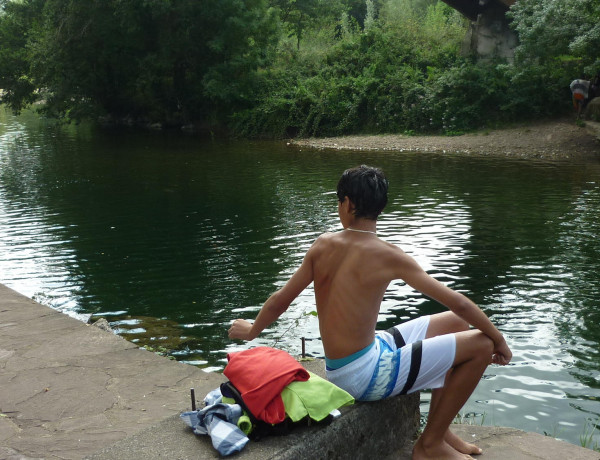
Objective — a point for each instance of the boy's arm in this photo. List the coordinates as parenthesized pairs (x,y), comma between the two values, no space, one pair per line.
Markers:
(276,304)
(462,306)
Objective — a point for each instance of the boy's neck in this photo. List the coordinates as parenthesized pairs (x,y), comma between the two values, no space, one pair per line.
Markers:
(360,231)
(363,226)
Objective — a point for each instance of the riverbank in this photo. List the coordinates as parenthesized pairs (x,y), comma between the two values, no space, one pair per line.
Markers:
(554,140)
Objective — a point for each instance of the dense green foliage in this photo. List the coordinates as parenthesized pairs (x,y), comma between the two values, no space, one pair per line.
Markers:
(549,29)
(155,59)
(402,72)
(289,67)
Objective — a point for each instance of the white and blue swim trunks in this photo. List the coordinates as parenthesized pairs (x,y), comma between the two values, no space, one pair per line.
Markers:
(399,361)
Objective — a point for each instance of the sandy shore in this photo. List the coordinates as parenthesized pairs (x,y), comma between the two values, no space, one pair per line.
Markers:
(557,139)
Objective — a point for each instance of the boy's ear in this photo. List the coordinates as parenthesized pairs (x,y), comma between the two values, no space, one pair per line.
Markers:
(352,207)
(349,205)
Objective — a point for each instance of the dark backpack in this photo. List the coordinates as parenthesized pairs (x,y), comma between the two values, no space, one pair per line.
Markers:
(260,427)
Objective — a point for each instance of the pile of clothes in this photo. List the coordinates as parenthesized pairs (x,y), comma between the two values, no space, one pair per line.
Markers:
(268,392)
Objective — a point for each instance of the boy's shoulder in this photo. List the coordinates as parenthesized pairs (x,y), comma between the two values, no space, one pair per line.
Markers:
(328,236)
(329,240)
(326,239)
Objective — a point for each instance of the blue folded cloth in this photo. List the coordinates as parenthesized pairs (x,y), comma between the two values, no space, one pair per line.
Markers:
(219,421)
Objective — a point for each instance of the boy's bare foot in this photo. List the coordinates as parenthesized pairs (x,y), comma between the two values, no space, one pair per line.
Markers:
(460,445)
(439,451)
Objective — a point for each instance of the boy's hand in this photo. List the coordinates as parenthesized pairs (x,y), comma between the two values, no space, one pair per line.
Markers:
(502,354)
(240,329)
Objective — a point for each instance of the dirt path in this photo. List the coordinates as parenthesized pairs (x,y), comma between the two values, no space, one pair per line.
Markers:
(557,139)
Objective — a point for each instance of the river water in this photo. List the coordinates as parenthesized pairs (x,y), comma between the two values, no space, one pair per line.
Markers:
(170,237)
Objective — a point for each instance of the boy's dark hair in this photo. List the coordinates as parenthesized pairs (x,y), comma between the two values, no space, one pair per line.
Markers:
(367,188)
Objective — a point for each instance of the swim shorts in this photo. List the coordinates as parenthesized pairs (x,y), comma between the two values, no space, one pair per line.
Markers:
(399,361)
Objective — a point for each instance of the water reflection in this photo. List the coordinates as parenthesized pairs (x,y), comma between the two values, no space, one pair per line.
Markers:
(170,238)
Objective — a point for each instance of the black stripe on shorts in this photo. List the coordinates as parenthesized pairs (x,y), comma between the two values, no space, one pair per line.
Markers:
(415,366)
(397,337)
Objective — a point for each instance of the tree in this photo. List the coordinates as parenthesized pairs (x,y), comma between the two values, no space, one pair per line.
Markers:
(157,60)
(17,19)
(549,29)
(298,16)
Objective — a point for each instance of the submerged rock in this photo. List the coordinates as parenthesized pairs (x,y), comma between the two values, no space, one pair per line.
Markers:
(103,324)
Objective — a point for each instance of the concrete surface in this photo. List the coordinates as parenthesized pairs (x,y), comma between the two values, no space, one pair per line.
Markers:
(70,391)
(357,434)
(500,443)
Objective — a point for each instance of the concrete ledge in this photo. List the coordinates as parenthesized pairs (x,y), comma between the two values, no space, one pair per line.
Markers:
(501,443)
(364,431)
(69,390)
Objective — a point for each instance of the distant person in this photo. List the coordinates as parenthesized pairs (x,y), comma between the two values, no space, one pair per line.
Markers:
(351,270)
(580,89)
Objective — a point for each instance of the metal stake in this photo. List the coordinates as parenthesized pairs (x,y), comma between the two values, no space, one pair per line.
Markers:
(193,395)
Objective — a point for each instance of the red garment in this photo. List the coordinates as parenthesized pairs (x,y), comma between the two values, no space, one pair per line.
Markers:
(260,374)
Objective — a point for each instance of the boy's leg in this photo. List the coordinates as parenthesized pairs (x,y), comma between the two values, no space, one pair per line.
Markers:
(440,324)
(445,323)
(473,354)
(456,442)
(425,327)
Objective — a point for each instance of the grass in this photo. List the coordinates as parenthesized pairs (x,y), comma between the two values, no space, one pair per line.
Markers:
(470,418)
(586,439)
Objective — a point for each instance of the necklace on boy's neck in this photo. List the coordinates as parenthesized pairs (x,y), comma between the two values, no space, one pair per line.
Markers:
(360,231)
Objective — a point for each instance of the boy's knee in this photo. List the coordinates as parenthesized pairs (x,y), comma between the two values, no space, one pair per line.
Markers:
(488,343)
(473,344)
(485,347)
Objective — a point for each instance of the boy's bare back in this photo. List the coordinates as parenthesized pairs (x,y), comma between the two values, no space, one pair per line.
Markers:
(351,271)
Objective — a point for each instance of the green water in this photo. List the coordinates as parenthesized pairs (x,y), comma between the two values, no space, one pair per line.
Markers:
(171,237)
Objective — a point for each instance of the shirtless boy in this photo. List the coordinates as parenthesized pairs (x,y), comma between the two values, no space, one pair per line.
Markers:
(351,270)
